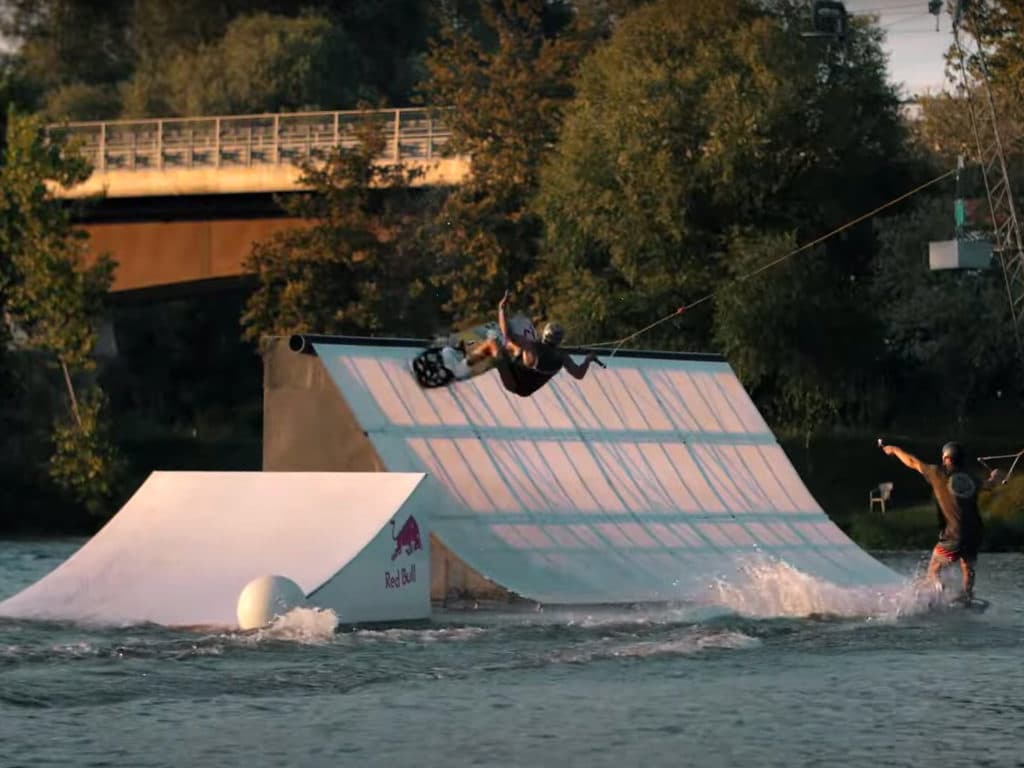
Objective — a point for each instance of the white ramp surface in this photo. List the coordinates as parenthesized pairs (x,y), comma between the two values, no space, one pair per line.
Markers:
(182,549)
(642,482)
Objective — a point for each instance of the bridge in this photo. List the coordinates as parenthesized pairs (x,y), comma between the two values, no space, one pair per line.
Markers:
(184,199)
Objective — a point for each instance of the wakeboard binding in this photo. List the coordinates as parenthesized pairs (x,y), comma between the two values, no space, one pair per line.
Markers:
(428,367)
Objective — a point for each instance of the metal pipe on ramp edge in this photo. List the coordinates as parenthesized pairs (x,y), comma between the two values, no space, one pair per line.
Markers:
(303,342)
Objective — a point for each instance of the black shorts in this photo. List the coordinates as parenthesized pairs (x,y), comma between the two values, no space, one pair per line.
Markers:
(517,378)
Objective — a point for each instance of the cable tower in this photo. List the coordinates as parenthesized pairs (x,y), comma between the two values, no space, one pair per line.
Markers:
(1007,245)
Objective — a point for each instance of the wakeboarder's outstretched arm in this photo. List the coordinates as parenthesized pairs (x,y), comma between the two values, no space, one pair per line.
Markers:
(502,320)
(908,459)
(578,371)
(514,340)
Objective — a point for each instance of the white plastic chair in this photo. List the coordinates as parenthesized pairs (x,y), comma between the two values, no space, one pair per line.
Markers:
(880,496)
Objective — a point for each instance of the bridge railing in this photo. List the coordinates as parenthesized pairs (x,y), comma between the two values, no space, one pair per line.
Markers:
(236,141)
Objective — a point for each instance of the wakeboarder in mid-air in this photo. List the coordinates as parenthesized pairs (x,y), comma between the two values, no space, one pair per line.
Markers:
(524,362)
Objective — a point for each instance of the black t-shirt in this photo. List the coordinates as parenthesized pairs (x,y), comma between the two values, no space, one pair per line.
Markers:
(957,497)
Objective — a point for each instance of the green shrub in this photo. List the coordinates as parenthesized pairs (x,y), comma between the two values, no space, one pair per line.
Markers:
(905,528)
(1005,501)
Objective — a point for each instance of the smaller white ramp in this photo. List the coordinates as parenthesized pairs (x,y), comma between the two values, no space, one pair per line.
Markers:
(182,549)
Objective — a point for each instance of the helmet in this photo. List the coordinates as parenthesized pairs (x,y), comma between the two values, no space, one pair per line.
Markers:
(553,334)
(955,452)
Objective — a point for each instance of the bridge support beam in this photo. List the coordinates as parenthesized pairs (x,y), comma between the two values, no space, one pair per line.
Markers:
(151,254)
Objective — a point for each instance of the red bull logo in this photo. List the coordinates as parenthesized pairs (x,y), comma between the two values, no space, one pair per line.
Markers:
(407,539)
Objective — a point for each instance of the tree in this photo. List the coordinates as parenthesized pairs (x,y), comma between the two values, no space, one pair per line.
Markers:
(999,26)
(705,136)
(73,51)
(357,265)
(779,331)
(947,335)
(79,101)
(263,63)
(53,300)
(943,128)
(391,37)
(154,58)
(67,41)
(505,69)
(382,42)
(945,125)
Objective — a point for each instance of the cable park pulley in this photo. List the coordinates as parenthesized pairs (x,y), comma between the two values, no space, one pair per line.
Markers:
(1006,241)
(969,249)
(998,474)
(829,20)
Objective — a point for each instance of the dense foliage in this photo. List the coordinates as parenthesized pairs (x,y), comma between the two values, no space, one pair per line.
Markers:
(627,158)
(705,142)
(52,302)
(507,79)
(357,266)
(85,60)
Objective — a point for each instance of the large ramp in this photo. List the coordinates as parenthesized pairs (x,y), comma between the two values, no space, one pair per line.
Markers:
(182,549)
(643,482)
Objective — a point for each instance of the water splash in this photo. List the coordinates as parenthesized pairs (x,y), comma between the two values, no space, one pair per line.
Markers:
(772,589)
(310,626)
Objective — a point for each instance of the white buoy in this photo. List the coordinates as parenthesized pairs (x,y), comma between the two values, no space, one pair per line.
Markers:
(267,597)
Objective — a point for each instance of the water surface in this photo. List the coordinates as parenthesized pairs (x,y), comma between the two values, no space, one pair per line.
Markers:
(796,673)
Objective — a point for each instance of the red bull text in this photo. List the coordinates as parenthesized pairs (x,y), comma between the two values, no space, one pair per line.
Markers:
(400,577)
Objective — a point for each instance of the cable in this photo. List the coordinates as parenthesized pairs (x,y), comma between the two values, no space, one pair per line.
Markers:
(882,11)
(904,20)
(853,222)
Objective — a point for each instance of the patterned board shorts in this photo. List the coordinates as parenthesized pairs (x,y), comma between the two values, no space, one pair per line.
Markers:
(953,551)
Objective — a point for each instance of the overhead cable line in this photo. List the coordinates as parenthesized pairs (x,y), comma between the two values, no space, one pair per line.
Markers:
(746,276)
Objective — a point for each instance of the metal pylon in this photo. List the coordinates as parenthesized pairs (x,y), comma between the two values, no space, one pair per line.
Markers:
(1007,244)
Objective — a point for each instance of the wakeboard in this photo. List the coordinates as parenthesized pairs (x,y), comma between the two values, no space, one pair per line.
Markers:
(428,366)
(975,604)
(941,599)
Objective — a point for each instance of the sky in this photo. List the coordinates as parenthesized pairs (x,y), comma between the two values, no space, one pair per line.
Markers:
(914,48)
